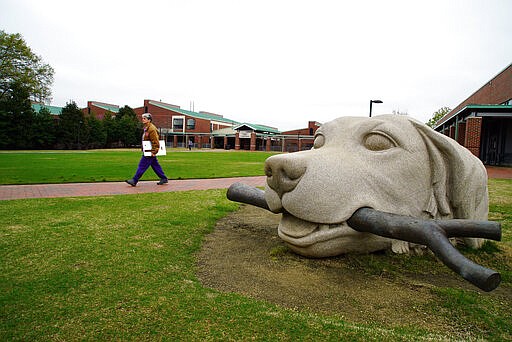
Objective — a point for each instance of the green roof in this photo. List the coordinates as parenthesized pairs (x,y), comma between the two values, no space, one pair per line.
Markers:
(491,107)
(259,128)
(106,106)
(52,109)
(205,116)
(214,117)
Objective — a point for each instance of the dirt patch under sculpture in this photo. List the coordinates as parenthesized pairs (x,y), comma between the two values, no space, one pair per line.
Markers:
(245,255)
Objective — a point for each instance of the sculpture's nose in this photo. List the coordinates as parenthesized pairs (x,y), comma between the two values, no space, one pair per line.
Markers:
(283,173)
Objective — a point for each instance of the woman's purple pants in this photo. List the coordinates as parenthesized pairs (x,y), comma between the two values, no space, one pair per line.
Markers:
(144,164)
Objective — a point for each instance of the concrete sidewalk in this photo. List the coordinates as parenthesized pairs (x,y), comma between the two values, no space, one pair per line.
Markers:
(10,192)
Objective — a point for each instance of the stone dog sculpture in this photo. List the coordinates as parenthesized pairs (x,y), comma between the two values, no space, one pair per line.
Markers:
(387,182)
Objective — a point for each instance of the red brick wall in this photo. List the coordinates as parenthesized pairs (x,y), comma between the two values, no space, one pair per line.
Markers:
(162,118)
(310,130)
(96,111)
(496,91)
(473,135)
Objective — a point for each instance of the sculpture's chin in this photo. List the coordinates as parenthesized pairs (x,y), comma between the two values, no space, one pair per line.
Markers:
(325,240)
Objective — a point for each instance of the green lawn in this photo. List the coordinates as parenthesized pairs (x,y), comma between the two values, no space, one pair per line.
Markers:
(114,268)
(33,167)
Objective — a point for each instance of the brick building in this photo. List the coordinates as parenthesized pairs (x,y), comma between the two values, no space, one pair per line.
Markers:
(255,137)
(483,122)
(178,126)
(300,139)
(100,109)
(208,130)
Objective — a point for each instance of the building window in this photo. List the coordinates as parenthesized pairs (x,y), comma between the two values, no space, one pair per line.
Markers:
(191,124)
(177,123)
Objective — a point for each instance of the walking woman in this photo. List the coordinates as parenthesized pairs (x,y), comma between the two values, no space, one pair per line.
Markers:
(150,134)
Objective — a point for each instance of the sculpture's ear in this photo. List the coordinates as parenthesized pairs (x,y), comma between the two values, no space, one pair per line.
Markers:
(459,179)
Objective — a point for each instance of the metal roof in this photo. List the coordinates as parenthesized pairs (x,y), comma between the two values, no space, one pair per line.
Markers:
(224,131)
(106,106)
(492,109)
(258,128)
(52,109)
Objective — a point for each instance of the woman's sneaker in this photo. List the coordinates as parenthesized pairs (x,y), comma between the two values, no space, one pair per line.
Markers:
(162,181)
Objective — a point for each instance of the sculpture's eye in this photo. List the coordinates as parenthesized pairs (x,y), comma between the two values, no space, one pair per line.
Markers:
(378,141)
(319,141)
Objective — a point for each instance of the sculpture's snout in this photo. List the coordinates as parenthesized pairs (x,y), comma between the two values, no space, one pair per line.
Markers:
(284,173)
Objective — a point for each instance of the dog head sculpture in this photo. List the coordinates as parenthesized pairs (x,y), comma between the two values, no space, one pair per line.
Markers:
(390,163)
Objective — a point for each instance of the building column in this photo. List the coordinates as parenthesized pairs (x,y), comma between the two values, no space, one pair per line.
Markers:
(473,135)
(225,142)
(452,132)
(268,144)
(253,141)
(462,133)
(175,141)
(237,141)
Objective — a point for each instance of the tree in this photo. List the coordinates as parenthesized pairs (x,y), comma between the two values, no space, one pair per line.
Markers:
(71,127)
(129,125)
(43,127)
(110,127)
(16,118)
(437,116)
(96,135)
(19,64)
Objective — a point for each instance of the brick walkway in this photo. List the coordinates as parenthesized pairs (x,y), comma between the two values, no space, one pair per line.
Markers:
(9,192)
(499,172)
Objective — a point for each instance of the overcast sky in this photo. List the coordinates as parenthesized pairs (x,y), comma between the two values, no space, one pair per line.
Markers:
(278,63)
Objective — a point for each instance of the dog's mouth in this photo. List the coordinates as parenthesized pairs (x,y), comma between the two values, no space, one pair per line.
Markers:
(301,233)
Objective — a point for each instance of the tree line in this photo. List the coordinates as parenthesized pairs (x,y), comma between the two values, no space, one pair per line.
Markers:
(21,127)
(25,78)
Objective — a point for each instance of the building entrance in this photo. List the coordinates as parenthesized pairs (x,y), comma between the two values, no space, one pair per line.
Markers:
(497,141)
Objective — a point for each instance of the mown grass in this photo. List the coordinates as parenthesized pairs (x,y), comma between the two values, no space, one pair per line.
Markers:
(39,167)
(124,268)
(116,268)
(104,268)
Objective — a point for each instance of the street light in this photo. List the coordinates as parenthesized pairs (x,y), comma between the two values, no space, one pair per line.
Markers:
(373,101)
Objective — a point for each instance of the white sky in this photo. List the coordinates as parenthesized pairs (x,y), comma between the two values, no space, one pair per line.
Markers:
(275,62)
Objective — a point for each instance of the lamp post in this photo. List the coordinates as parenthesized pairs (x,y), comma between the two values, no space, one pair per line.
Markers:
(371,102)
